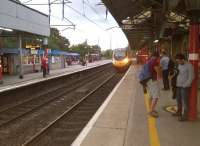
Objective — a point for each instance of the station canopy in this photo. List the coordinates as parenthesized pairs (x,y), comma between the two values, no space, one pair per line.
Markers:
(149,19)
(18,18)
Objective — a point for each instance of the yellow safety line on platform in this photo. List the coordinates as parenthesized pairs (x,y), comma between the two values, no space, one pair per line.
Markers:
(153,133)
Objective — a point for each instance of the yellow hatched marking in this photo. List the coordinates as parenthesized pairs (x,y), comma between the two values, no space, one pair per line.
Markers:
(153,133)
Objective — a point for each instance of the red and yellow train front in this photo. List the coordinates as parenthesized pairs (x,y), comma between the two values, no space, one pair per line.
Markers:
(120,59)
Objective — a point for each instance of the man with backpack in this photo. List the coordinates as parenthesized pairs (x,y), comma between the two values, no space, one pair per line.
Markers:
(145,76)
(153,85)
(151,82)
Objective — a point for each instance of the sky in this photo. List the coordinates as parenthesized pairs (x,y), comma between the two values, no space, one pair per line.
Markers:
(90,22)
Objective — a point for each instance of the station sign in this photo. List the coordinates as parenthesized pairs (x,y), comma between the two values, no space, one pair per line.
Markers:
(33,46)
(34,51)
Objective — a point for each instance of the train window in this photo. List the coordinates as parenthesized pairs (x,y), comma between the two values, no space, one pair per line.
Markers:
(119,54)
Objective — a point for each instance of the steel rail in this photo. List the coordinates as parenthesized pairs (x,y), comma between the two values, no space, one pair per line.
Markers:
(66,112)
(12,106)
(47,102)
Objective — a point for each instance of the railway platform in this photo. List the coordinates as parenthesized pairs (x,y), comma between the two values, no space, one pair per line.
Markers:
(122,120)
(12,82)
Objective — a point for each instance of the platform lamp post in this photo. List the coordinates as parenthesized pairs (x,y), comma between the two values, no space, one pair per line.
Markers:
(1,69)
(21,72)
(193,10)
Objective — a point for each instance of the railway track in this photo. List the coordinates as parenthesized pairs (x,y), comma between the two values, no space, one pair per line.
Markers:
(21,109)
(13,97)
(18,130)
(63,130)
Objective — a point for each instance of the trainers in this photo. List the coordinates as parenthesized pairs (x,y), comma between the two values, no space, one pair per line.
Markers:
(154,114)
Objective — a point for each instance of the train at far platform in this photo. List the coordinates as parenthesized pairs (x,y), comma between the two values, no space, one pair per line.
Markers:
(121,59)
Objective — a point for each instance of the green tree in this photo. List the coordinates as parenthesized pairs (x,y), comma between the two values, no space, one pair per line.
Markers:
(107,54)
(84,49)
(56,41)
(95,49)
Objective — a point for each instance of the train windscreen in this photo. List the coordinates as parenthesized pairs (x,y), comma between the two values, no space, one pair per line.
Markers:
(119,54)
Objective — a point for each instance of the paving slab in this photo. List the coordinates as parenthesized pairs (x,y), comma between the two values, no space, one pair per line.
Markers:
(104,137)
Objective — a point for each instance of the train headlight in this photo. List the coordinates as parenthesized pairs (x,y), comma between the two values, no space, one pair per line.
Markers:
(125,60)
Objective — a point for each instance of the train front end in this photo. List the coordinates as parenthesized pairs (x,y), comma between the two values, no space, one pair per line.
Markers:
(121,60)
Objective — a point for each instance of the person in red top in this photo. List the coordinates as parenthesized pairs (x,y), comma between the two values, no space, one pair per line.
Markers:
(44,66)
(153,85)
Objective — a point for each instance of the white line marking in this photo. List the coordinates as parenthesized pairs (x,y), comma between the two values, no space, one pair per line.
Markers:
(88,127)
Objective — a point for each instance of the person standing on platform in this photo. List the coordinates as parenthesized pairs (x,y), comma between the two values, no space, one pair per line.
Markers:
(164,62)
(183,84)
(173,73)
(44,66)
(153,85)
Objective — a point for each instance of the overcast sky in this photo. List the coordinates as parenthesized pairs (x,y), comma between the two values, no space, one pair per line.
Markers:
(92,30)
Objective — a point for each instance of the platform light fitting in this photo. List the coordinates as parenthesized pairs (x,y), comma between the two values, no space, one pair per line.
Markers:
(6,29)
(155,41)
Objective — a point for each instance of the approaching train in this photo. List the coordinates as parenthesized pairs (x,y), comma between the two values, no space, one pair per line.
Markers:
(121,59)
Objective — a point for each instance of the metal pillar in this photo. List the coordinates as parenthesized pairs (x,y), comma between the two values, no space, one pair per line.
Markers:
(33,62)
(1,71)
(193,10)
(20,56)
(171,46)
(49,3)
(111,41)
(194,59)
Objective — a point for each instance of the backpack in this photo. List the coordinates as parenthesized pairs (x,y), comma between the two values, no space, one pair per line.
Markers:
(171,65)
(174,77)
(145,74)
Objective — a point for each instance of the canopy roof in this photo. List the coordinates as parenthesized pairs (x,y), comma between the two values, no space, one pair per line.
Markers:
(19,18)
(149,19)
